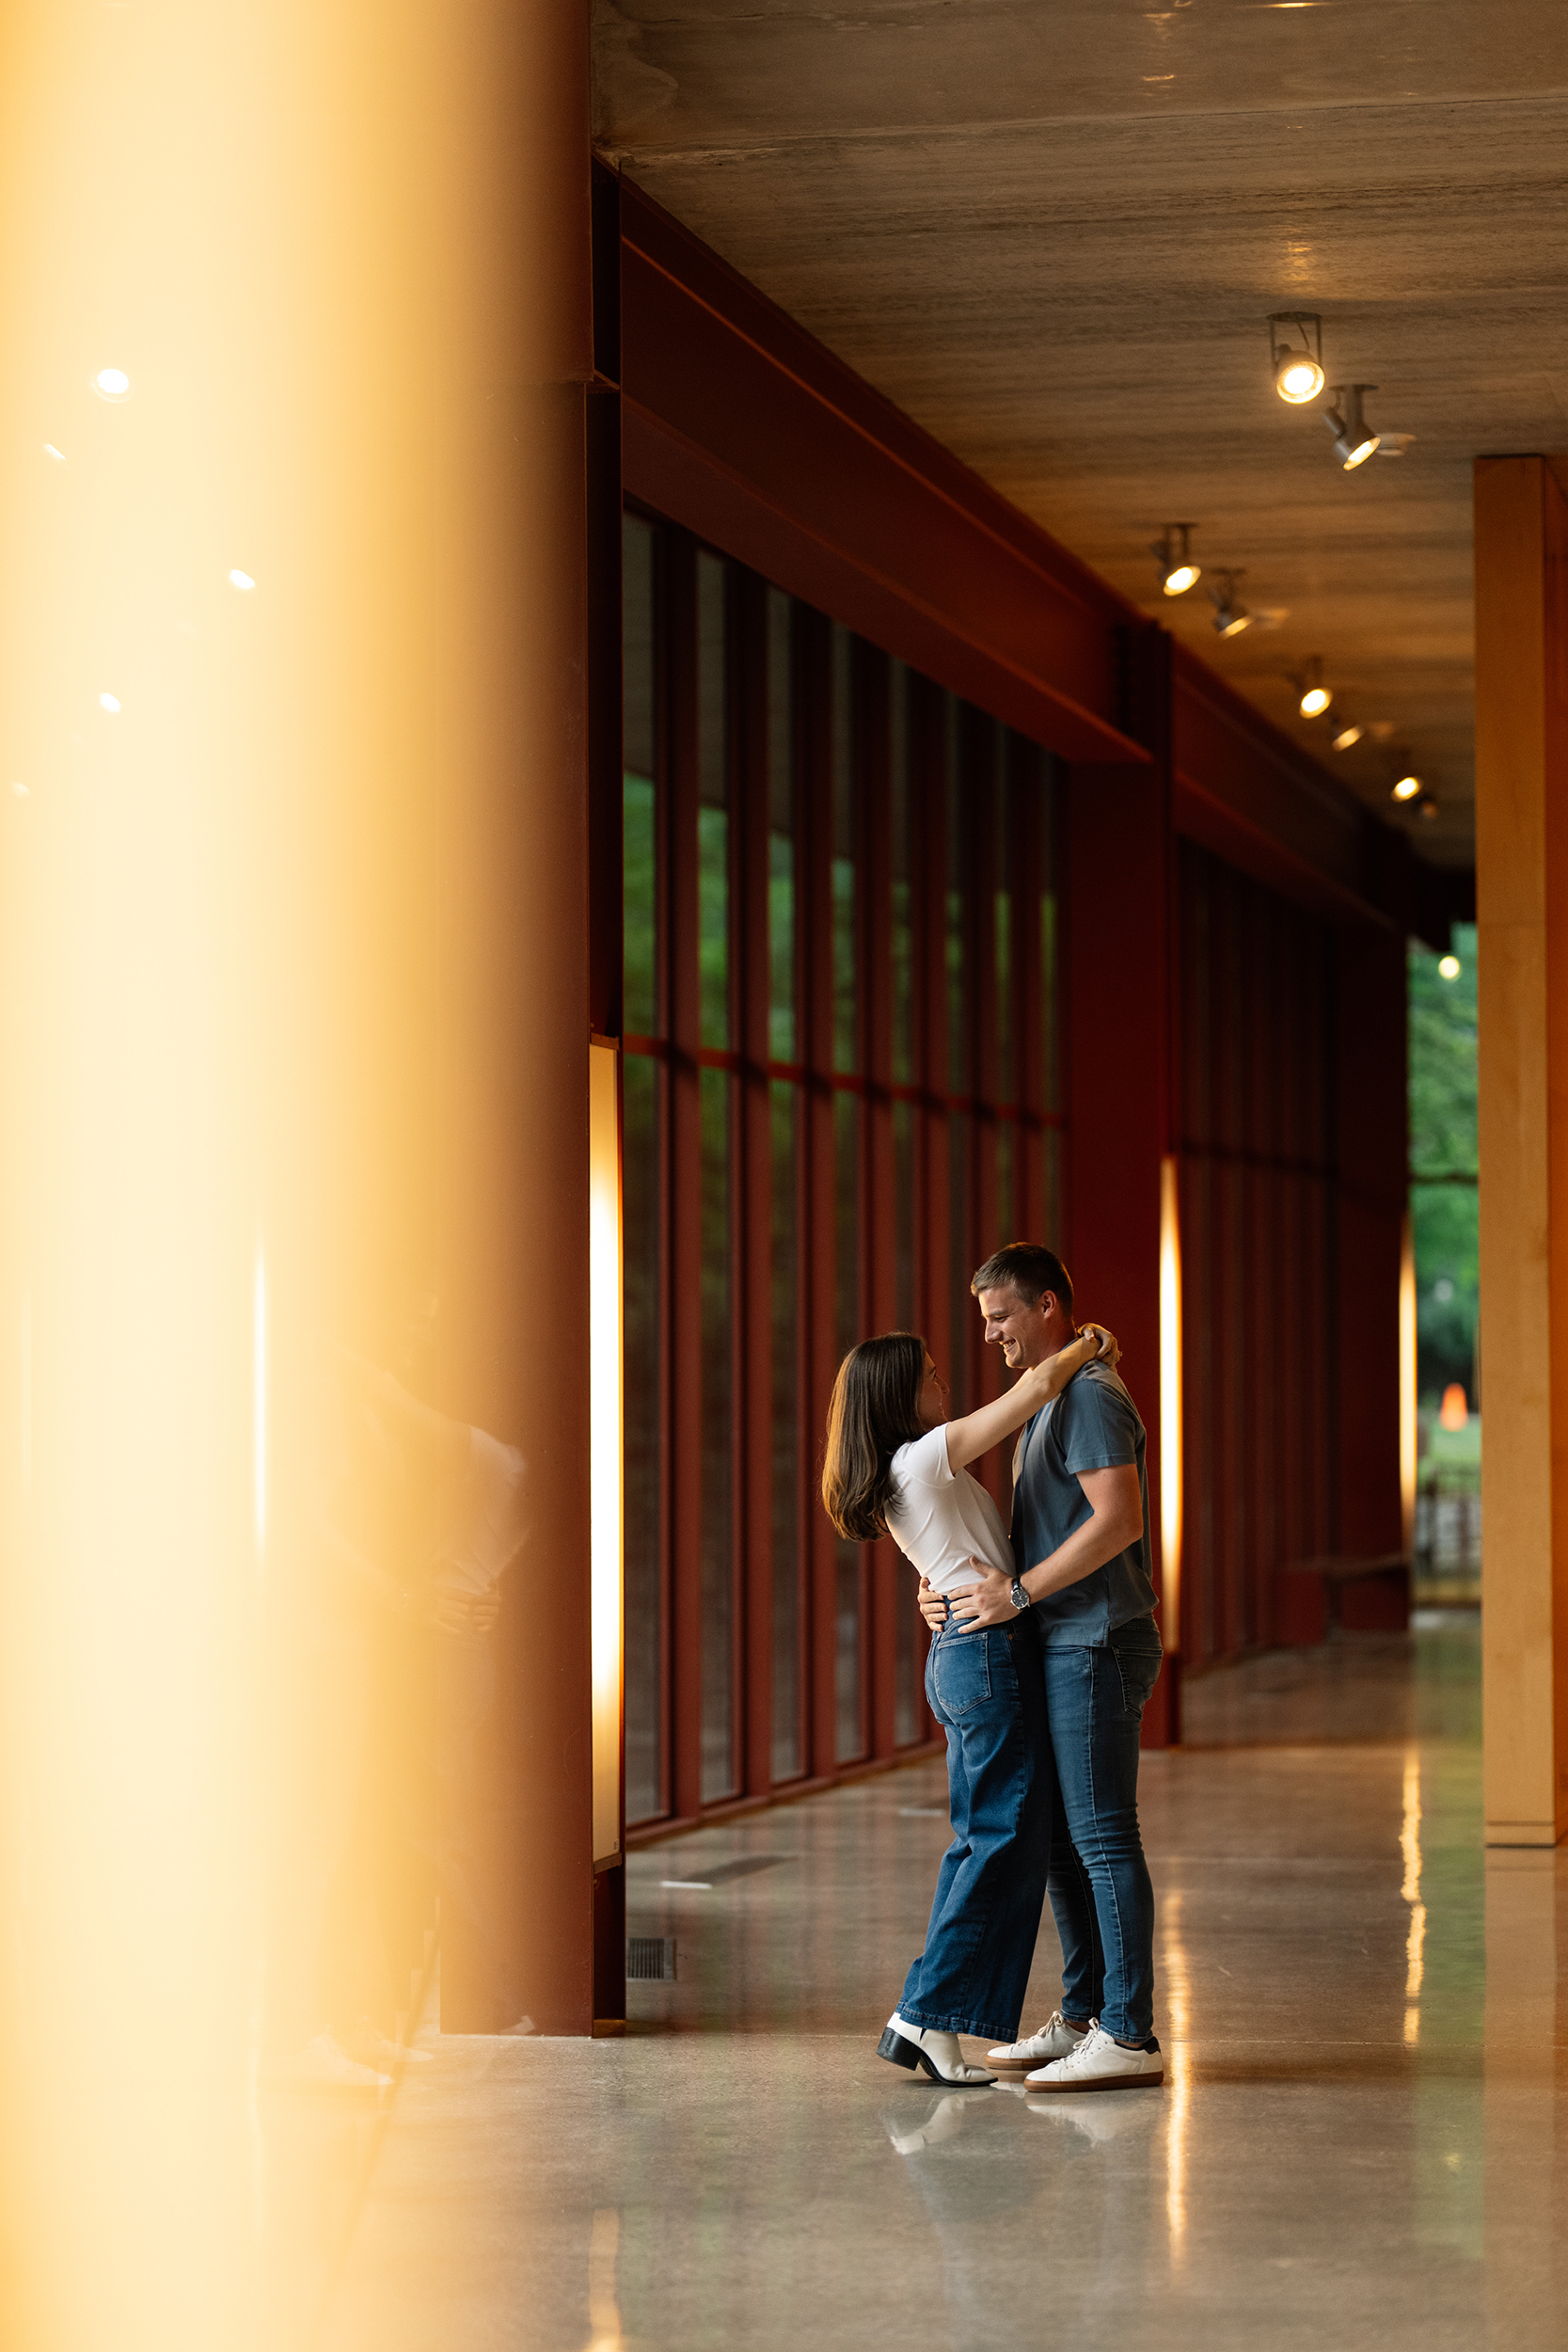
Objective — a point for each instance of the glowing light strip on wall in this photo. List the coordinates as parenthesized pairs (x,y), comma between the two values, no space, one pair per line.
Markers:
(606,1377)
(1170,1406)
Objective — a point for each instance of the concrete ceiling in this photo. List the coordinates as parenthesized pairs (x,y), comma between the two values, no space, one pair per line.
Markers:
(1051,231)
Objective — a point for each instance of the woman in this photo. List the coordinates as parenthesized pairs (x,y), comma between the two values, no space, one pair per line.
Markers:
(896,1466)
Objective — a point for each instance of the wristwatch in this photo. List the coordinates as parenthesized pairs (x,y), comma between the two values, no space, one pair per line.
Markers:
(1021,1599)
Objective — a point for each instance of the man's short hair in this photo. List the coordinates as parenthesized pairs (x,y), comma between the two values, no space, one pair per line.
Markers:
(1029,1269)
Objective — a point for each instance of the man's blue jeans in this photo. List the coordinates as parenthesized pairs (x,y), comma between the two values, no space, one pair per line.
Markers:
(986,1691)
(1099,1887)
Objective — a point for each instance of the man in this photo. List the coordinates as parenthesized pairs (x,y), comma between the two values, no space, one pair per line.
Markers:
(1082,1548)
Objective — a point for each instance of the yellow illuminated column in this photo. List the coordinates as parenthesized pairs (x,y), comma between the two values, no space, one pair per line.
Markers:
(1521,552)
(1170,1402)
(605,1316)
(293,1116)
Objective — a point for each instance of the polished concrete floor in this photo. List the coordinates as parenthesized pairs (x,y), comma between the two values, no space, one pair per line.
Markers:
(1358,2143)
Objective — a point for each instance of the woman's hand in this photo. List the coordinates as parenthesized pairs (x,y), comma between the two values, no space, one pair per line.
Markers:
(1052,1375)
(988,1602)
(931,1606)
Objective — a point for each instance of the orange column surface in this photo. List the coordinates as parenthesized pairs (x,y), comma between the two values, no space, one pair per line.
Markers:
(294,1208)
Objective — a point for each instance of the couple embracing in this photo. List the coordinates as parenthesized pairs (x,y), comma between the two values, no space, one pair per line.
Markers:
(1043,1654)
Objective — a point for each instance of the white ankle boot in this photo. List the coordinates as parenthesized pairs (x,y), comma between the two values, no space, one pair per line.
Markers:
(934,2054)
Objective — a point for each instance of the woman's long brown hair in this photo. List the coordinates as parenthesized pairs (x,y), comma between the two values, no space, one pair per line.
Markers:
(874,1409)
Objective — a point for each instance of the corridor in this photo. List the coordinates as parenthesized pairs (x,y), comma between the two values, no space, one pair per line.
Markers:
(1354,2145)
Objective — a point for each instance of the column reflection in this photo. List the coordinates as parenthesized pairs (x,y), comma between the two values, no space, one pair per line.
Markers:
(1178,1986)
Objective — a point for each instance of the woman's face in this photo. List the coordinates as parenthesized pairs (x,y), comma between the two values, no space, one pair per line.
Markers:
(933,1398)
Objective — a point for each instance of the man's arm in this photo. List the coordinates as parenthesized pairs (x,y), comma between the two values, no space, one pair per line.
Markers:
(1115,1520)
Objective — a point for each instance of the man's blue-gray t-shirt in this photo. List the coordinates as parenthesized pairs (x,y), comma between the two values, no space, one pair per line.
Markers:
(1092,1426)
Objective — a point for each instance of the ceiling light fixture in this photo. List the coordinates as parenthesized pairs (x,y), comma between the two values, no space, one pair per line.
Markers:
(1315,695)
(1298,373)
(1346,736)
(1353,437)
(1173,553)
(1407,788)
(1230,615)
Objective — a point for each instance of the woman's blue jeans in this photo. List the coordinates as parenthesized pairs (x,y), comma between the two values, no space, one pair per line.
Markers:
(986,1691)
(1099,1886)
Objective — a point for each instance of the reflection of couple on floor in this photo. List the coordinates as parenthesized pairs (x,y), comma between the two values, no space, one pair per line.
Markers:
(1044,1652)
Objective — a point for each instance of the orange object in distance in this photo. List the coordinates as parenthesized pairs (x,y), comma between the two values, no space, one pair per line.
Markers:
(1454,1411)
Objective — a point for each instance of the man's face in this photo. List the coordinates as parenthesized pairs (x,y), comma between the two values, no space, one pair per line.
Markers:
(1026,1335)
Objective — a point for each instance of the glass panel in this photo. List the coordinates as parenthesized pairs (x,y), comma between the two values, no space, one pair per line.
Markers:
(905,1720)
(644,1630)
(718,1615)
(903,1215)
(903,893)
(1002,920)
(788,1625)
(781,834)
(1049,991)
(713,824)
(640,901)
(1052,1141)
(846,1024)
(851,1740)
(961,1259)
(959,866)
(1007,1201)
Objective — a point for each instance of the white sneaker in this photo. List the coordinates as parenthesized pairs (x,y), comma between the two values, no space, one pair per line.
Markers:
(1101,2063)
(1055,2039)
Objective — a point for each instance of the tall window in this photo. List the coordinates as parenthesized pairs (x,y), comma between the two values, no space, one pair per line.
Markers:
(643,1079)
(839,1076)
(784,1174)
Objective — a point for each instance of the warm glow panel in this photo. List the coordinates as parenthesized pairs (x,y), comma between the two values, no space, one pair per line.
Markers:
(604,1308)
(1170,1402)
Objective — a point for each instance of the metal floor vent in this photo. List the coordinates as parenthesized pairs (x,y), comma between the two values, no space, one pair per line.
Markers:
(651,1959)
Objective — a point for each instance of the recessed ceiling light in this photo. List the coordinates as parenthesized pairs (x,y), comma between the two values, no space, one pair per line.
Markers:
(1407,788)
(112,384)
(240,579)
(1346,736)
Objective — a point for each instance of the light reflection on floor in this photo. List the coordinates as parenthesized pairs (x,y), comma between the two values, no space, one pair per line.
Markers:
(742,2170)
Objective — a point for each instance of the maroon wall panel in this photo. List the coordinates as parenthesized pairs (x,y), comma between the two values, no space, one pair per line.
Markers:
(1118,844)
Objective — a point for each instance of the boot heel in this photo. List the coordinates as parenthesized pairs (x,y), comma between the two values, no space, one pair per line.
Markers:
(893,2045)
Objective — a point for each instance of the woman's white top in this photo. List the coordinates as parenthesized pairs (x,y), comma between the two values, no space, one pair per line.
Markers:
(939,1515)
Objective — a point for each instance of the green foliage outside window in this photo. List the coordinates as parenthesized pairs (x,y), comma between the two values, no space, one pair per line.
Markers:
(1443,1147)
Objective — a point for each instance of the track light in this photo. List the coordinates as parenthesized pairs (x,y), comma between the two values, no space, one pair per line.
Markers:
(1298,370)
(1407,788)
(1354,439)
(1346,736)
(1230,615)
(1173,553)
(1315,695)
